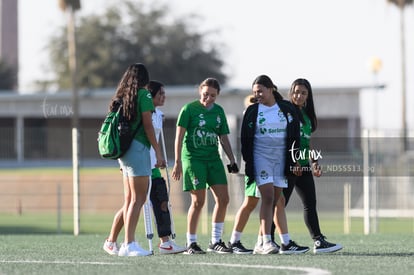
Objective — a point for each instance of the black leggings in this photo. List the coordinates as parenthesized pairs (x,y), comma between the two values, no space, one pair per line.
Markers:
(305,187)
(159,195)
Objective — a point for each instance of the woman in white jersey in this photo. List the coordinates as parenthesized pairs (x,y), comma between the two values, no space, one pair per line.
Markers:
(251,199)
(270,128)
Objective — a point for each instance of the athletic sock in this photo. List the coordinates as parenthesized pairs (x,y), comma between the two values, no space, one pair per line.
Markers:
(191,238)
(267,238)
(216,232)
(284,238)
(235,236)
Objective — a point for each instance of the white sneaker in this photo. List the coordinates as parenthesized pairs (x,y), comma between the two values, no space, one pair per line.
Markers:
(110,247)
(132,249)
(170,247)
(270,248)
(258,248)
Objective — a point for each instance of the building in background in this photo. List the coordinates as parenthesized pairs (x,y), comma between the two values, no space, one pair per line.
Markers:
(37,126)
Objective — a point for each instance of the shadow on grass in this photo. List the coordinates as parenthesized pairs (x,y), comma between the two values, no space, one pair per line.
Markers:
(13,230)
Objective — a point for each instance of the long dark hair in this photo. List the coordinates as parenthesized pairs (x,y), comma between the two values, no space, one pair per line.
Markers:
(268,83)
(154,87)
(309,107)
(135,77)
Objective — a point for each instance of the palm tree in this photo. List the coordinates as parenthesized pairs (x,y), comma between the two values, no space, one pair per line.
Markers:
(401,4)
(73,4)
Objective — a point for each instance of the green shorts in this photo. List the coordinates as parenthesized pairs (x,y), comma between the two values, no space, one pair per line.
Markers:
(200,174)
(251,190)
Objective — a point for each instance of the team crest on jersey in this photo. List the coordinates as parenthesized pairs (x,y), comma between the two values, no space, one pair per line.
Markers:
(195,181)
(281,115)
(218,119)
(202,121)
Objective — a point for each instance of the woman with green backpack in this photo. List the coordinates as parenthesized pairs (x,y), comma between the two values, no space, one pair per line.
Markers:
(135,163)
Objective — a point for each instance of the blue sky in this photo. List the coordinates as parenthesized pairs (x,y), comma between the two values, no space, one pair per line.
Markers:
(329,42)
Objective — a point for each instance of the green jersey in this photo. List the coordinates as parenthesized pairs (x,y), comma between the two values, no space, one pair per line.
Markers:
(144,104)
(203,128)
(305,135)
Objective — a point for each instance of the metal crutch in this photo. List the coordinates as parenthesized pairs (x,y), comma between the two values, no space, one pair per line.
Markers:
(149,231)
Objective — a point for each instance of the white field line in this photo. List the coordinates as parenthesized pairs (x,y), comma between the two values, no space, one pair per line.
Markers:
(306,270)
(57,262)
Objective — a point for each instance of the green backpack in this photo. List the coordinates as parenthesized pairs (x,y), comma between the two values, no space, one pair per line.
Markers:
(116,135)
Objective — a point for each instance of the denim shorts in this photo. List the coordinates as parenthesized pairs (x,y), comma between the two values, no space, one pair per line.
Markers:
(136,161)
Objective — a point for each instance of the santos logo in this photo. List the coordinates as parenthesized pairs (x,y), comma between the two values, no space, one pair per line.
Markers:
(297,154)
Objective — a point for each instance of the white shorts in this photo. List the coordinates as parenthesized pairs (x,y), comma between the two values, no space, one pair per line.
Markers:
(270,171)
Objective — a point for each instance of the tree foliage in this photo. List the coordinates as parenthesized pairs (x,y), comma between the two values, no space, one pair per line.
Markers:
(130,32)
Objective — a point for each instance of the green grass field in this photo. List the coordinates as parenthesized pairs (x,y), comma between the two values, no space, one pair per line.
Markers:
(30,244)
(33,243)
(66,254)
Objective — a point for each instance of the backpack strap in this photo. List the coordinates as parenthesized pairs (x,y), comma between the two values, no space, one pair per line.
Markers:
(138,126)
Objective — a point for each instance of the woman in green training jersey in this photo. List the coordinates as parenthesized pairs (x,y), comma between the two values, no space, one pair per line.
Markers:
(201,125)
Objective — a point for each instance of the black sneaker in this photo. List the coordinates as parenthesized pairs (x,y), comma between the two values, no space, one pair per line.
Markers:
(323,246)
(238,248)
(219,247)
(193,248)
(292,248)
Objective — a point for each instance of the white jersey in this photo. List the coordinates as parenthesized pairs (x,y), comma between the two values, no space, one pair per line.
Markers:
(157,121)
(270,146)
(270,135)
